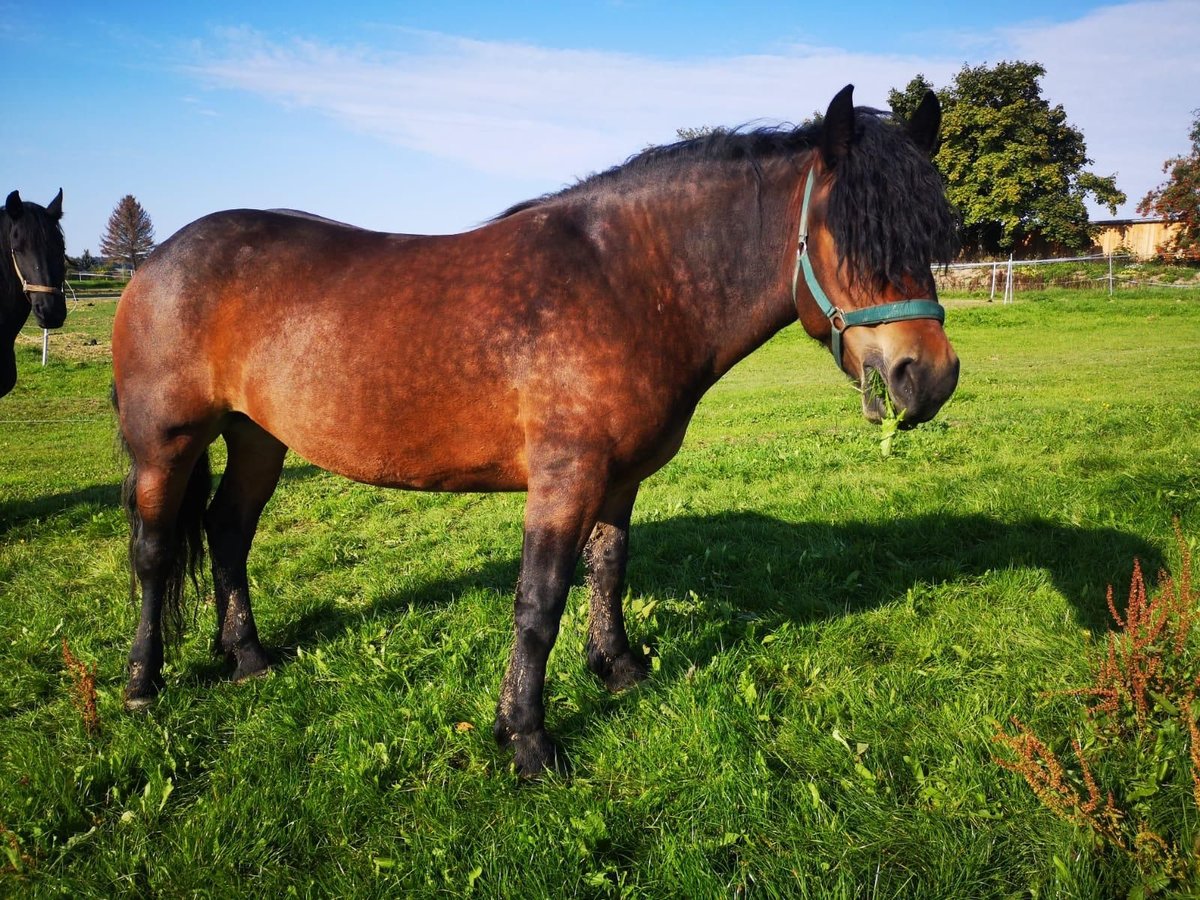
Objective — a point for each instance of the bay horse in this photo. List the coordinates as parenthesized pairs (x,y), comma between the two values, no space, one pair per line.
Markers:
(33,258)
(559,349)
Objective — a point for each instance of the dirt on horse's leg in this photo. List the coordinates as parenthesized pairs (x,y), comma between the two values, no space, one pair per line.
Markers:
(609,655)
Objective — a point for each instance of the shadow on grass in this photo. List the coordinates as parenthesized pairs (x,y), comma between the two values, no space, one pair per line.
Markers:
(769,571)
(745,566)
(752,571)
(73,506)
(78,505)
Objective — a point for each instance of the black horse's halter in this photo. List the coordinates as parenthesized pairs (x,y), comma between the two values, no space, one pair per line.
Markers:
(28,287)
(899,311)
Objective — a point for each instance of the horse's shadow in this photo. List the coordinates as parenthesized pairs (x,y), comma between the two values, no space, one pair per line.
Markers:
(747,566)
(75,507)
(743,567)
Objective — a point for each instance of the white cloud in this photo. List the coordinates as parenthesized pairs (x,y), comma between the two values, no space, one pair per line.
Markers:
(526,111)
(1125,74)
(1129,78)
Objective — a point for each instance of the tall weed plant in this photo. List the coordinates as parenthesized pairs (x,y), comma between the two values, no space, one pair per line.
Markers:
(1132,783)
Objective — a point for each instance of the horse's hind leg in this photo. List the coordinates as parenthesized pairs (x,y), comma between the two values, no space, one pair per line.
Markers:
(165,498)
(609,655)
(251,474)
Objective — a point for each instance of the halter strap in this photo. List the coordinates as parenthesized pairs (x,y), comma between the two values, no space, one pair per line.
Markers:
(899,311)
(26,286)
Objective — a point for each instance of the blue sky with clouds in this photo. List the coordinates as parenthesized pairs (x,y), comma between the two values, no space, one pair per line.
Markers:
(432,117)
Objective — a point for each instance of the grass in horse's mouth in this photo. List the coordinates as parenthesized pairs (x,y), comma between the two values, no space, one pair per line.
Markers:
(876,393)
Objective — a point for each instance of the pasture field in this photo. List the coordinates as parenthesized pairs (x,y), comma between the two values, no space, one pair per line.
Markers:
(835,638)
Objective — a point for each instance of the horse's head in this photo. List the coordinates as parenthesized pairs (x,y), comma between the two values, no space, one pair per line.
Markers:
(37,256)
(874,220)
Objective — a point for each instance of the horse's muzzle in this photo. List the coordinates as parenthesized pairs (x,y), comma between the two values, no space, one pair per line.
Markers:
(917,390)
(50,310)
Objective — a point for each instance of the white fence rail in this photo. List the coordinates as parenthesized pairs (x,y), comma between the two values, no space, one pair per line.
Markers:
(1002,274)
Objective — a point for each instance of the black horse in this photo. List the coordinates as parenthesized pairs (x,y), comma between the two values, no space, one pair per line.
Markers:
(34,262)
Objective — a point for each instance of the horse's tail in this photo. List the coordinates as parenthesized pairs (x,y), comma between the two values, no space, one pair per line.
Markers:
(185,548)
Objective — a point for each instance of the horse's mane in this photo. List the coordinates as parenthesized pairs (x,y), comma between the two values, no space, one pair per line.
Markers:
(887,208)
(664,162)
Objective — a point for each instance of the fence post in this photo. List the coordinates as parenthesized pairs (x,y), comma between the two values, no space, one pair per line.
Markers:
(1008,283)
(1110,275)
(992,296)
(45,345)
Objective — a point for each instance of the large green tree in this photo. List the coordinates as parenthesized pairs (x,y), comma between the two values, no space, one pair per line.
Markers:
(1178,199)
(1014,167)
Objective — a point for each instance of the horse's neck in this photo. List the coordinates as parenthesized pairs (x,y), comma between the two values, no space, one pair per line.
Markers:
(731,264)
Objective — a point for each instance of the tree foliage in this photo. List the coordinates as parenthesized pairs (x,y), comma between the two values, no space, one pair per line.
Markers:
(1014,167)
(690,134)
(129,236)
(1178,198)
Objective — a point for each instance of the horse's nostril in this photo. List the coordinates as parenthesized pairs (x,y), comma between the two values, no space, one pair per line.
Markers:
(902,380)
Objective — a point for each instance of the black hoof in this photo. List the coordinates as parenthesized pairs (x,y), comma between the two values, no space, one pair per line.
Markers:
(534,754)
(251,662)
(141,689)
(621,672)
(241,674)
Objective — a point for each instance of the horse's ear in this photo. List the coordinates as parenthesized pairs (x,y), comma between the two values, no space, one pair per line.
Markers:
(837,129)
(13,205)
(55,207)
(926,121)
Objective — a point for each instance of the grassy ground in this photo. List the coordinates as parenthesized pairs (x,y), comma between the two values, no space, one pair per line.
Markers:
(835,636)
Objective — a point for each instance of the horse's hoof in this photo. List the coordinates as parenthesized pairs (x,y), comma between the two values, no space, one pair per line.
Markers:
(138,704)
(252,662)
(535,754)
(619,673)
(141,688)
(243,674)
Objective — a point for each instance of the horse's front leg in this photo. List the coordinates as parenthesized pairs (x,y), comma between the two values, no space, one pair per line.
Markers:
(609,655)
(558,520)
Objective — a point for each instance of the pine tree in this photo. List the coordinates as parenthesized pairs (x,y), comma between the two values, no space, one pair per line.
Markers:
(129,236)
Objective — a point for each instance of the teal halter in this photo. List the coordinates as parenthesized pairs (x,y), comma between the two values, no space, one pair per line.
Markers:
(870,315)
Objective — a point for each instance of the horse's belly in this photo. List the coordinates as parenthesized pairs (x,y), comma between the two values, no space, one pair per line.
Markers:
(434,434)
(411,454)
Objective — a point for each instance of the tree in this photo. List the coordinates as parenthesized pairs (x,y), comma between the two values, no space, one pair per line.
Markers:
(690,134)
(129,236)
(1013,165)
(1178,198)
(904,103)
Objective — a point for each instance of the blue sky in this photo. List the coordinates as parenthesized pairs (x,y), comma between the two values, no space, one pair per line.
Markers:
(433,117)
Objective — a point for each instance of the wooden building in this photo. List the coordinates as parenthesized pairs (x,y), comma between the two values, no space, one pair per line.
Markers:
(1142,237)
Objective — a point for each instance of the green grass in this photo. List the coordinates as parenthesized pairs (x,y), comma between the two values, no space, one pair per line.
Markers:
(835,636)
